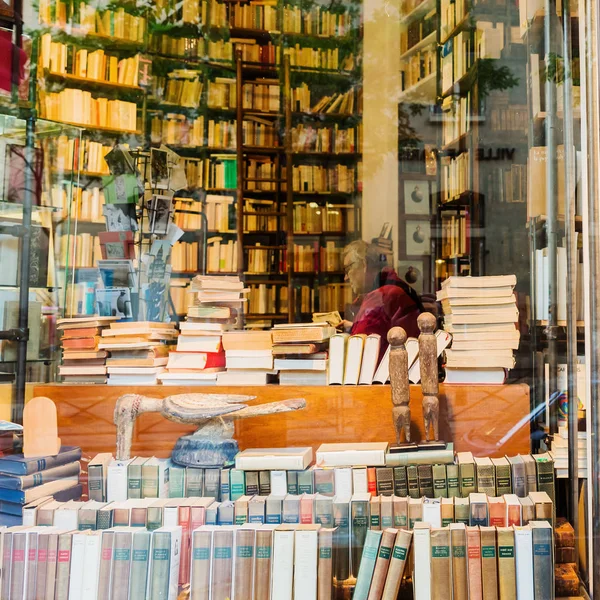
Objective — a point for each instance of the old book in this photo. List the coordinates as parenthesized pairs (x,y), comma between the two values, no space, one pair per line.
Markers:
(517,467)
(222,562)
(194,482)
(324,481)
(342,481)
(400,482)
(306,481)
(371,480)
(543,560)
(497,511)
(440,484)
(387,512)
(274,510)
(283,562)
(543,506)
(244,563)
(51,568)
(452,480)
(225,487)
(441,565)
(63,565)
(359,525)
(489,565)
(324,510)
(359,480)
(264,483)
(460,576)
(140,563)
(256,509)
(513,510)
(134,477)
(375,512)
(397,565)
(16,573)
(262,562)
(306,556)
(530,473)
(367,565)
(241,510)
(307,509)
(176,481)
(466,473)
(503,476)
(348,455)
(527,510)
(266,459)
(237,484)
(400,512)
(422,561)
(200,563)
(462,513)
(425,480)
(341,538)
(385,481)
(325,564)
(415,511)
(432,511)
(506,563)
(42,564)
(292,482)
(486,475)
(474,563)
(121,564)
(291,509)
(545,474)
(479,510)
(97,471)
(164,569)
(384,556)
(447,511)
(412,477)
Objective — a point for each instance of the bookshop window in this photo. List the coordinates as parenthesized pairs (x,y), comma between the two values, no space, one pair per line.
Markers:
(321,272)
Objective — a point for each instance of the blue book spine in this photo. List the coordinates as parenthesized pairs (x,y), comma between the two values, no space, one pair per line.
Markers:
(17,464)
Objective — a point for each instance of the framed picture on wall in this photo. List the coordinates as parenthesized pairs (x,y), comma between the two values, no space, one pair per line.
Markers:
(417,237)
(417,197)
(413,272)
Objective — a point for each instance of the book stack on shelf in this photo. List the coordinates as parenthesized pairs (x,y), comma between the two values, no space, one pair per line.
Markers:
(560,453)
(82,360)
(249,358)
(24,481)
(138,351)
(301,352)
(480,313)
(199,357)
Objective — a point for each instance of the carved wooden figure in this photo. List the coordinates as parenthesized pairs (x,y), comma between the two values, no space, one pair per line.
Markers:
(399,382)
(429,374)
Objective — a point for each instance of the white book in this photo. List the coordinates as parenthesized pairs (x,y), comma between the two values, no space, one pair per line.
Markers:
(342,479)
(265,459)
(359,480)
(422,562)
(77,564)
(66,516)
(382,374)
(116,480)
(337,358)
(305,562)
(91,565)
(370,359)
(354,354)
(432,511)
(282,569)
(370,454)
(524,561)
(246,362)
(278,483)
(443,339)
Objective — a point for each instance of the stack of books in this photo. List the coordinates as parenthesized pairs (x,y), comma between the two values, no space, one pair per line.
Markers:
(301,352)
(33,480)
(138,351)
(82,360)
(480,313)
(248,358)
(560,453)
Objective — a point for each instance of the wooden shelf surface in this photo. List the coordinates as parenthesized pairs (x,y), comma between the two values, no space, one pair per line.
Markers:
(487,420)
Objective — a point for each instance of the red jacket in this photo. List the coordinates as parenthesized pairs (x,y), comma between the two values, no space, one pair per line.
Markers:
(392,303)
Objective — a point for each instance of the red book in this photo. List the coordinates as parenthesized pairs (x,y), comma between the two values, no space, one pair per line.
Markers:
(371,480)
(80,343)
(117,244)
(195,361)
(497,513)
(184,565)
(84,332)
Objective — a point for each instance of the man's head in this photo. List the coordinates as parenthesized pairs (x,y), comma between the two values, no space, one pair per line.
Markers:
(362,263)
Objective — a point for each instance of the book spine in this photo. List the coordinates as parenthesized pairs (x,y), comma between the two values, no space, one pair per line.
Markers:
(121,565)
(222,564)
(283,564)
(524,562)
(51,566)
(200,566)
(367,564)
(453,481)
(184,514)
(382,564)
(486,480)
(91,567)
(503,480)
(474,563)
(194,482)
(400,482)
(77,564)
(305,562)
(244,564)
(42,561)
(104,577)
(543,563)
(519,480)
(160,565)
(325,566)
(489,566)
(441,580)
(412,477)
(467,479)
(134,481)
(440,484)
(225,487)
(63,566)
(385,481)
(17,566)
(506,563)
(460,577)
(212,478)
(262,564)
(397,565)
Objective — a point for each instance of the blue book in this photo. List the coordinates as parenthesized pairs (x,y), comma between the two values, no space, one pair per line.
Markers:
(23,482)
(17,464)
(10,520)
(48,489)
(367,564)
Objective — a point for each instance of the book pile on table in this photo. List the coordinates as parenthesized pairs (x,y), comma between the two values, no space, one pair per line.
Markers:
(248,358)
(301,352)
(215,310)
(480,313)
(138,351)
(31,480)
(82,360)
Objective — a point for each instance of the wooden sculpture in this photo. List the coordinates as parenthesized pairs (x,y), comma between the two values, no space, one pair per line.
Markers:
(212,444)
(399,382)
(429,374)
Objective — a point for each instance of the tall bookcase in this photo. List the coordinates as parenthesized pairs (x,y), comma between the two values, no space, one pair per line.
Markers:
(190,65)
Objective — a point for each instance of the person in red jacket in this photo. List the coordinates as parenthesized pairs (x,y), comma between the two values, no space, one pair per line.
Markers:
(383,300)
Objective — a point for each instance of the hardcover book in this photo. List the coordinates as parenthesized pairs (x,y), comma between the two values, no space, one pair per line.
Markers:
(382,564)
(367,565)
(460,575)
(441,565)
(489,564)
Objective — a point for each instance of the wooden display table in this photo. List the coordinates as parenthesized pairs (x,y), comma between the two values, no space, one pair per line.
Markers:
(486,420)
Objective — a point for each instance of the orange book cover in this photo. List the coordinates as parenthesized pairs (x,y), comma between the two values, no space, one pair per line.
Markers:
(372,480)
(497,513)
(90,343)
(474,563)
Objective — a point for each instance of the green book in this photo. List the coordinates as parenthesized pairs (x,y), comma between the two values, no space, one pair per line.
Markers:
(440,485)
(425,473)
(545,475)
(292,482)
(466,473)
(486,475)
(225,488)
(306,484)
(176,481)
(359,525)
(412,478)
(212,482)
(264,482)
(134,478)
(453,481)
(237,484)
(367,565)
(341,538)
(503,476)
(154,518)
(140,554)
(252,486)
(462,511)
(400,482)
(194,482)
(164,568)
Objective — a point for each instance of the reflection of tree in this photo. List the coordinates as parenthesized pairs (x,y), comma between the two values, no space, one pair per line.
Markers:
(491,77)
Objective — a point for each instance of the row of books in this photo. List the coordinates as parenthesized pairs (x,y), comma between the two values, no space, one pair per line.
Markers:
(221,255)
(455,233)
(182,87)
(316,21)
(321,179)
(315,258)
(416,31)
(419,66)
(197,47)
(79,107)
(333,139)
(68,59)
(343,103)
(177,130)
(480,313)
(184,257)
(457,123)
(264,299)
(82,249)
(456,176)
(509,184)
(319,58)
(310,217)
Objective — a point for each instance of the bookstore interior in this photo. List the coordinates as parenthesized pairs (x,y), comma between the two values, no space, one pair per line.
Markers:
(282,279)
